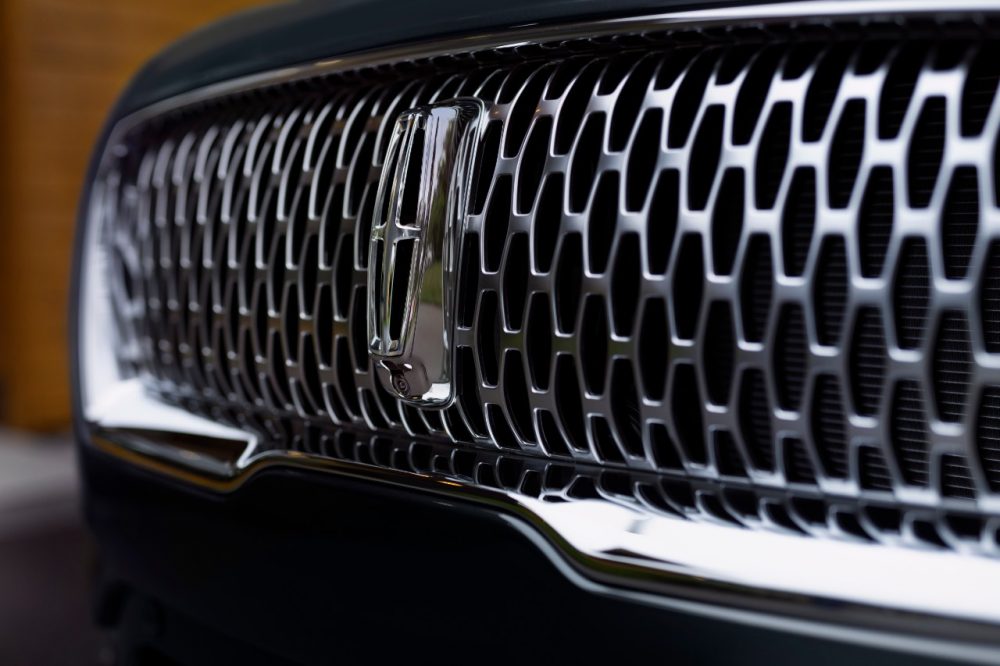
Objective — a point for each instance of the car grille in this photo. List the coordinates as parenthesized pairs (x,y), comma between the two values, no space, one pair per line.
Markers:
(744,275)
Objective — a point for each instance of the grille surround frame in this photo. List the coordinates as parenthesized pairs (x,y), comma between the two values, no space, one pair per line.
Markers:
(609,373)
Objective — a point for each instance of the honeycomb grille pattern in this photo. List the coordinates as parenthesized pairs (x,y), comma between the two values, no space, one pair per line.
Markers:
(758,273)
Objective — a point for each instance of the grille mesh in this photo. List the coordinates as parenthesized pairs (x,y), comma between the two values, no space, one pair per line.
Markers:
(739,266)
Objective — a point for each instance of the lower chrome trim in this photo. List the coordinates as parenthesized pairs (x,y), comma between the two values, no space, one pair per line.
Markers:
(929,602)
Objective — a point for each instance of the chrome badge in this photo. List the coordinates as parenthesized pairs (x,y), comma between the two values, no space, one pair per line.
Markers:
(413,255)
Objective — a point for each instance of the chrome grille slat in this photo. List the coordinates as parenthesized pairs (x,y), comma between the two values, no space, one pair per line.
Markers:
(242,224)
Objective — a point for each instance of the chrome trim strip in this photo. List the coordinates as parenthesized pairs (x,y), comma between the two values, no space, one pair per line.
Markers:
(868,590)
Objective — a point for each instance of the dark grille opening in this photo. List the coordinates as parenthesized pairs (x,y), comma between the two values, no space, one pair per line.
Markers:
(846,150)
(689,95)
(654,342)
(586,156)
(626,282)
(874,473)
(897,91)
(532,165)
(488,339)
(965,526)
(587,321)
(828,426)
(661,224)
(779,516)
(811,511)
(949,54)
(687,413)
(490,148)
(625,407)
(604,441)
(822,91)
(523,111)
(911,293)
(773,158)
(515,281)
(575,106)
(798,221)
(705,157)
(798,468)
(790,356)
(469,286)
(757,287)
(594,344)
(538,341)
(568,402)
(875,222)
(989,303)
(688,279)
(665,453)
(926,151)
(500,428)
(926,532)
(848,523)
(468,390)
(956,478)
(988,435)
(755,420)
(743,503)
(751,97)
(719,352)
(727,221)
(629,103)
(830,290)
(343,278)
(885,519)
(727,455)
(603,222)
(799,59)
(496,224)
(870,56)
(908,433)
(960,222)
(867,362)
(952,366)
(552,440)
(547,222)
(643,158)
(516,393)
(980,89)
(569,272)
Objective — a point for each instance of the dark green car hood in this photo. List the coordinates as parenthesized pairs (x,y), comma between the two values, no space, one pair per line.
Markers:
(297,32)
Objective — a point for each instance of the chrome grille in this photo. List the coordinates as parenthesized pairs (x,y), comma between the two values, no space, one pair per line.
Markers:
(754,272)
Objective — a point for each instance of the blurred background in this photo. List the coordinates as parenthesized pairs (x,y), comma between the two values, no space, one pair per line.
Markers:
(62,64)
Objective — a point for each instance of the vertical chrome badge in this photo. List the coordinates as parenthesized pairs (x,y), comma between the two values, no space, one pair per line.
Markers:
(413,255)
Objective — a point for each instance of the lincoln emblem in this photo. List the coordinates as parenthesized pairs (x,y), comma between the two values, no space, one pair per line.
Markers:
(413,255)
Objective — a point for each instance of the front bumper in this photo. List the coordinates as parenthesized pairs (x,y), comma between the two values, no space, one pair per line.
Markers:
(305,568)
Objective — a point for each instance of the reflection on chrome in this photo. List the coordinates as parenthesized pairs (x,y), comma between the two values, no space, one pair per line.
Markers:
(127,414)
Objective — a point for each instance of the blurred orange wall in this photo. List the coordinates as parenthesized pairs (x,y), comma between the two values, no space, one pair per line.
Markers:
(62,63)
